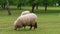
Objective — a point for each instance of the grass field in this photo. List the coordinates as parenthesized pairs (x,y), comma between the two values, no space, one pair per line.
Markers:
(48,23)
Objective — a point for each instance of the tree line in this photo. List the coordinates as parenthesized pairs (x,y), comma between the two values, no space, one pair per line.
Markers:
(33,3)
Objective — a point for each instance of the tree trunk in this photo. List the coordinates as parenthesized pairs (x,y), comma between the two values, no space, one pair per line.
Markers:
(37,6)
(59,4)
(8,9)
(4,5)
(33,6)
(45,7)
(9,13)
(19,6)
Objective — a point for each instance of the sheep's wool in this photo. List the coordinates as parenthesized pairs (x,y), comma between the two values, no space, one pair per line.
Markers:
(26,19)
(25,12)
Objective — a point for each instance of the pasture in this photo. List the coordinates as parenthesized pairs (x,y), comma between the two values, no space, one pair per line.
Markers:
(48,23)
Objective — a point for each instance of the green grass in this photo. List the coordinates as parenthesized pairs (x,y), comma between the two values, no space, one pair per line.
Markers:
(48,23)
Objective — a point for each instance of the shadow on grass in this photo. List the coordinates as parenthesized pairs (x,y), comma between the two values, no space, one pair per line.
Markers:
(19,30)
(25,30)
(48,11)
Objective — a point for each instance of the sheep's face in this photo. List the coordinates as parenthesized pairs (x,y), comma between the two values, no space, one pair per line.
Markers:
(17,27)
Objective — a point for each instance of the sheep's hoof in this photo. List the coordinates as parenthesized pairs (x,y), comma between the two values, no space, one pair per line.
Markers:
(34,28)
(15,29)
(30,29)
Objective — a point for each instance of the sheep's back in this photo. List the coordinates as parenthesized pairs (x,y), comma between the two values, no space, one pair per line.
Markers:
(25,12)
(28,19)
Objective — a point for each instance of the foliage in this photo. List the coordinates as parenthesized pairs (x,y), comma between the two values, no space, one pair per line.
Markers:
(29,2)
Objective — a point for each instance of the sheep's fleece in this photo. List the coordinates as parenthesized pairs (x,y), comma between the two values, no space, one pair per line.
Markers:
(25,12)
(26,20)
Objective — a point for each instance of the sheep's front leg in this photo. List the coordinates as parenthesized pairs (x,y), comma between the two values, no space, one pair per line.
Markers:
(15,28)
(24,27)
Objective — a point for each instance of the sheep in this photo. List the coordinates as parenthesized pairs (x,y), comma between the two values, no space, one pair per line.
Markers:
(25,12)
(26,20)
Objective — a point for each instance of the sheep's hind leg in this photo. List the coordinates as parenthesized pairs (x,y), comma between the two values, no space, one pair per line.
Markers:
(24,27)
(35,26)
(30,27)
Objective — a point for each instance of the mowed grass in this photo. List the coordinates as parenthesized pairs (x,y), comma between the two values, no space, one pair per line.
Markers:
(48,23)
